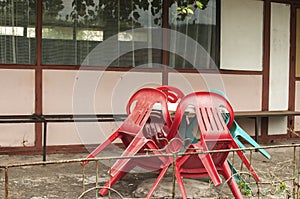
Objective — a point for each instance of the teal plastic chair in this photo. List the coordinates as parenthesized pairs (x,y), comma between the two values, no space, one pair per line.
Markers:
(185,129)
(239,179)
(237,132)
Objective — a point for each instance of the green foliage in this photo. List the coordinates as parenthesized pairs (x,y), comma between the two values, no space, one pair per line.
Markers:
(282,187)
(241,184)
(186,7)
(243,187)
(247,192)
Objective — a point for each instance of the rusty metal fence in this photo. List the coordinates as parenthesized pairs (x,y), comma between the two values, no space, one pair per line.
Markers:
(68,179)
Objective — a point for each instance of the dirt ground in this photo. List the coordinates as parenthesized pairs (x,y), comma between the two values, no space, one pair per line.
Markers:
(65,180)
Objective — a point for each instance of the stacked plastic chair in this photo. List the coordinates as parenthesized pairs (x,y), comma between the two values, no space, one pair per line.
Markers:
(144,128)
(173,93)
(214,135)
(156,142)
(147,128)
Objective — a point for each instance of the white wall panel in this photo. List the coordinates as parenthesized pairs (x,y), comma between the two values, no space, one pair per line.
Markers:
(279,56)
(17,97)
(17,135)
(279,65)
(58,91)
(241,34)
(244,91)
(297,106)
(238,88)
(62,134)
(17,91)
(110,94)
(96,91)
(89,92)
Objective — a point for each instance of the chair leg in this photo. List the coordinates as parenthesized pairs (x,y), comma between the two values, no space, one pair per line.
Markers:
(255,144)
(251,141)
(231,181)
(157,181)
(113,179)
(209,165)
(247,163)
(239,143)
(237,177)
(102,146)
(132,149)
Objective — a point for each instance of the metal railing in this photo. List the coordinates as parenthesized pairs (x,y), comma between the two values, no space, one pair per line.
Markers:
(59,118)
(278,185)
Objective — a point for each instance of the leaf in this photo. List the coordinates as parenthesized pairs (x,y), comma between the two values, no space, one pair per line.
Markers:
(199,4)
(189,11)
(247,192)
(282,187)
(241,184)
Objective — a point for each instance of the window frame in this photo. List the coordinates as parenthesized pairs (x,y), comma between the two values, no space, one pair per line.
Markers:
(164,55)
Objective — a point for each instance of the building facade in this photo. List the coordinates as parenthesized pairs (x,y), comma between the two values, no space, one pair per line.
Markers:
(250,49)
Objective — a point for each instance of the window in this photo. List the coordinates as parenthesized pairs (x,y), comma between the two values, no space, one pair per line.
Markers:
(17,32)
(201,27)
(71,29)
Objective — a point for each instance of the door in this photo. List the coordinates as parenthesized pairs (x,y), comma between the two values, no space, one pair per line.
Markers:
(297,42)
(295,72)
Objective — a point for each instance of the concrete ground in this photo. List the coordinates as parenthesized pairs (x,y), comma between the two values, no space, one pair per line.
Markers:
(65,180)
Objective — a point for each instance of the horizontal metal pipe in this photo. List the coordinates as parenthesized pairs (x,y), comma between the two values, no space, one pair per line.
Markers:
(143,156)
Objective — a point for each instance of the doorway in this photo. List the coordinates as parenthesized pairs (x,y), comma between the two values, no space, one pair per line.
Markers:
(294,122)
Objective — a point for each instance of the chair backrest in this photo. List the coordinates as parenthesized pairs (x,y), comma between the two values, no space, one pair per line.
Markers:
(213,132)
(140,105)
(149,124)
(174,94)
(207,108)
(225,115)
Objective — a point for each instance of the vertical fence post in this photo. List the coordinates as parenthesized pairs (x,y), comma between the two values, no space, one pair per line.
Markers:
(45,141)
(294,173)
(83,179)
(6,182)
(297,192)
(97,180)
(174,173)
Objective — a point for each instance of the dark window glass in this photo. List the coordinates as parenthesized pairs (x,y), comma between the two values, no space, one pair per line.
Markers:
(72,29)
(202,28)
(17,32)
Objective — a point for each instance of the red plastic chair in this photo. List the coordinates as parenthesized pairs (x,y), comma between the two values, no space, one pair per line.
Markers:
(214,135)
(144,100)
(151,135)
(174,94)
(146,141)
